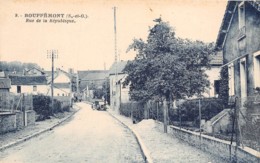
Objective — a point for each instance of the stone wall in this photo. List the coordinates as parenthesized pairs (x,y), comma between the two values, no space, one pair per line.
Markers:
(19,119)
(7,122)
(13,121)
(31,117)
(215,146)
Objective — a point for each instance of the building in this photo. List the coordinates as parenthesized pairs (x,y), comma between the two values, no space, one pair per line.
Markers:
(118,93)
(29,84)
(5,83)
(62,83)
(239,40)
(216,61)
(90,80)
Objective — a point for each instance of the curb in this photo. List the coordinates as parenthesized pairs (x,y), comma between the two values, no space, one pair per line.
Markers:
(145,152)
(37,133)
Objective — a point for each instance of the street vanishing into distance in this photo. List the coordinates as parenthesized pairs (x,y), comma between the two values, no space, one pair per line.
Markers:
(90,136)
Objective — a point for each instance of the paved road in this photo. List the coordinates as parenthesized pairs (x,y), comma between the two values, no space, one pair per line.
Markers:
(91,136)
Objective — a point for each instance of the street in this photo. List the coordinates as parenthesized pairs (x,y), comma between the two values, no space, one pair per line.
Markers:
(90,136)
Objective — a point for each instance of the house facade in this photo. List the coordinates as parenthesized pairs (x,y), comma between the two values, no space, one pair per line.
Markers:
(29,84)
(118,93)
(239,40)
(62,83)
(216,61)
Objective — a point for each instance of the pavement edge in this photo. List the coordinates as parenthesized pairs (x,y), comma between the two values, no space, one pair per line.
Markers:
(37,133)
(144,150)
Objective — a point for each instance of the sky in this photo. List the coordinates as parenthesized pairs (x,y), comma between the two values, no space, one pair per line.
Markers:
(88,43)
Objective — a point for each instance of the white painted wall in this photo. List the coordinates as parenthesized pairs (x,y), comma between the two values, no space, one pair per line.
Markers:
(61,78)
(40,89)
(213,74)
(115,93)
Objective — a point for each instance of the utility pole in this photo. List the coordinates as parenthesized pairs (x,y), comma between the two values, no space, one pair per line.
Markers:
(116,75)
(53,54)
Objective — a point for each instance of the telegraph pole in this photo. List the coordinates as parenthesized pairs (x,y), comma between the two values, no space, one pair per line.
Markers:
(116,75)
(53,54)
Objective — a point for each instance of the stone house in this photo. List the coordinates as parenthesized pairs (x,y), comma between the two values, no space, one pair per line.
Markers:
(118,93)
(239,40)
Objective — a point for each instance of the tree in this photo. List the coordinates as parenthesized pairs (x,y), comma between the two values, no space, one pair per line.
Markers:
(167,67)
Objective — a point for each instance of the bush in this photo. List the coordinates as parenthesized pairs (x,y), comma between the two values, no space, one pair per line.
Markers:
(66,108)
(41,105)
(189,110)
(138,110)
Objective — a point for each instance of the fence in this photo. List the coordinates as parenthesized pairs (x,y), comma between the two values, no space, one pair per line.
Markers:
(249,121)
(187,114)
(10,102)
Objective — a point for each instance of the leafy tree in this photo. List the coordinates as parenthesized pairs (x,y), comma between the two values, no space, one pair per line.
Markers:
(167,67)
(16,66)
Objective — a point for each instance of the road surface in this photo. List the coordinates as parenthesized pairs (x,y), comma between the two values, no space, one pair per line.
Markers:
(91,136)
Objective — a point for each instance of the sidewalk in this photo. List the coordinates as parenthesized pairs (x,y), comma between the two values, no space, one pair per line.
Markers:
(13,138)
(163,147)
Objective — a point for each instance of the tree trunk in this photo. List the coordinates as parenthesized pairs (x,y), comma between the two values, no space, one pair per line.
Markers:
(165,111)
(167,106)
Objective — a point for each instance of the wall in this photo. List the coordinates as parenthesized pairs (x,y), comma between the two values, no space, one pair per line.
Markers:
(115,91)
(13,121)
(41,89)
(213,74)
(7,122)
(19,119)
(248,45)
(31,117)
(221,123)
(62,78)
(217,147)
(60,91)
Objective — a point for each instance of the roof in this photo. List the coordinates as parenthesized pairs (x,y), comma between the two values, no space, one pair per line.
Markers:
(119,67)
(61,85)
(93,75)
(34,68)
(5,83)
(231,6)
(28,80)
(216,59)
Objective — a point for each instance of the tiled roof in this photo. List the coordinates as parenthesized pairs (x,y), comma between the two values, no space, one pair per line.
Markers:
(93,75)
(5,83)
(216,59)
(119,67)
(28,80)
(61,85)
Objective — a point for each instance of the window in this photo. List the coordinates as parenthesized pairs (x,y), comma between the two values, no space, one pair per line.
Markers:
(241,15)
(34,88)
(62,94)
(243,78)
(231,81)
(257,69)
(18,89)
(216,87)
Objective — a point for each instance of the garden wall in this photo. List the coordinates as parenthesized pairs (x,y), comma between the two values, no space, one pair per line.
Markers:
(7,122)
(215,146)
